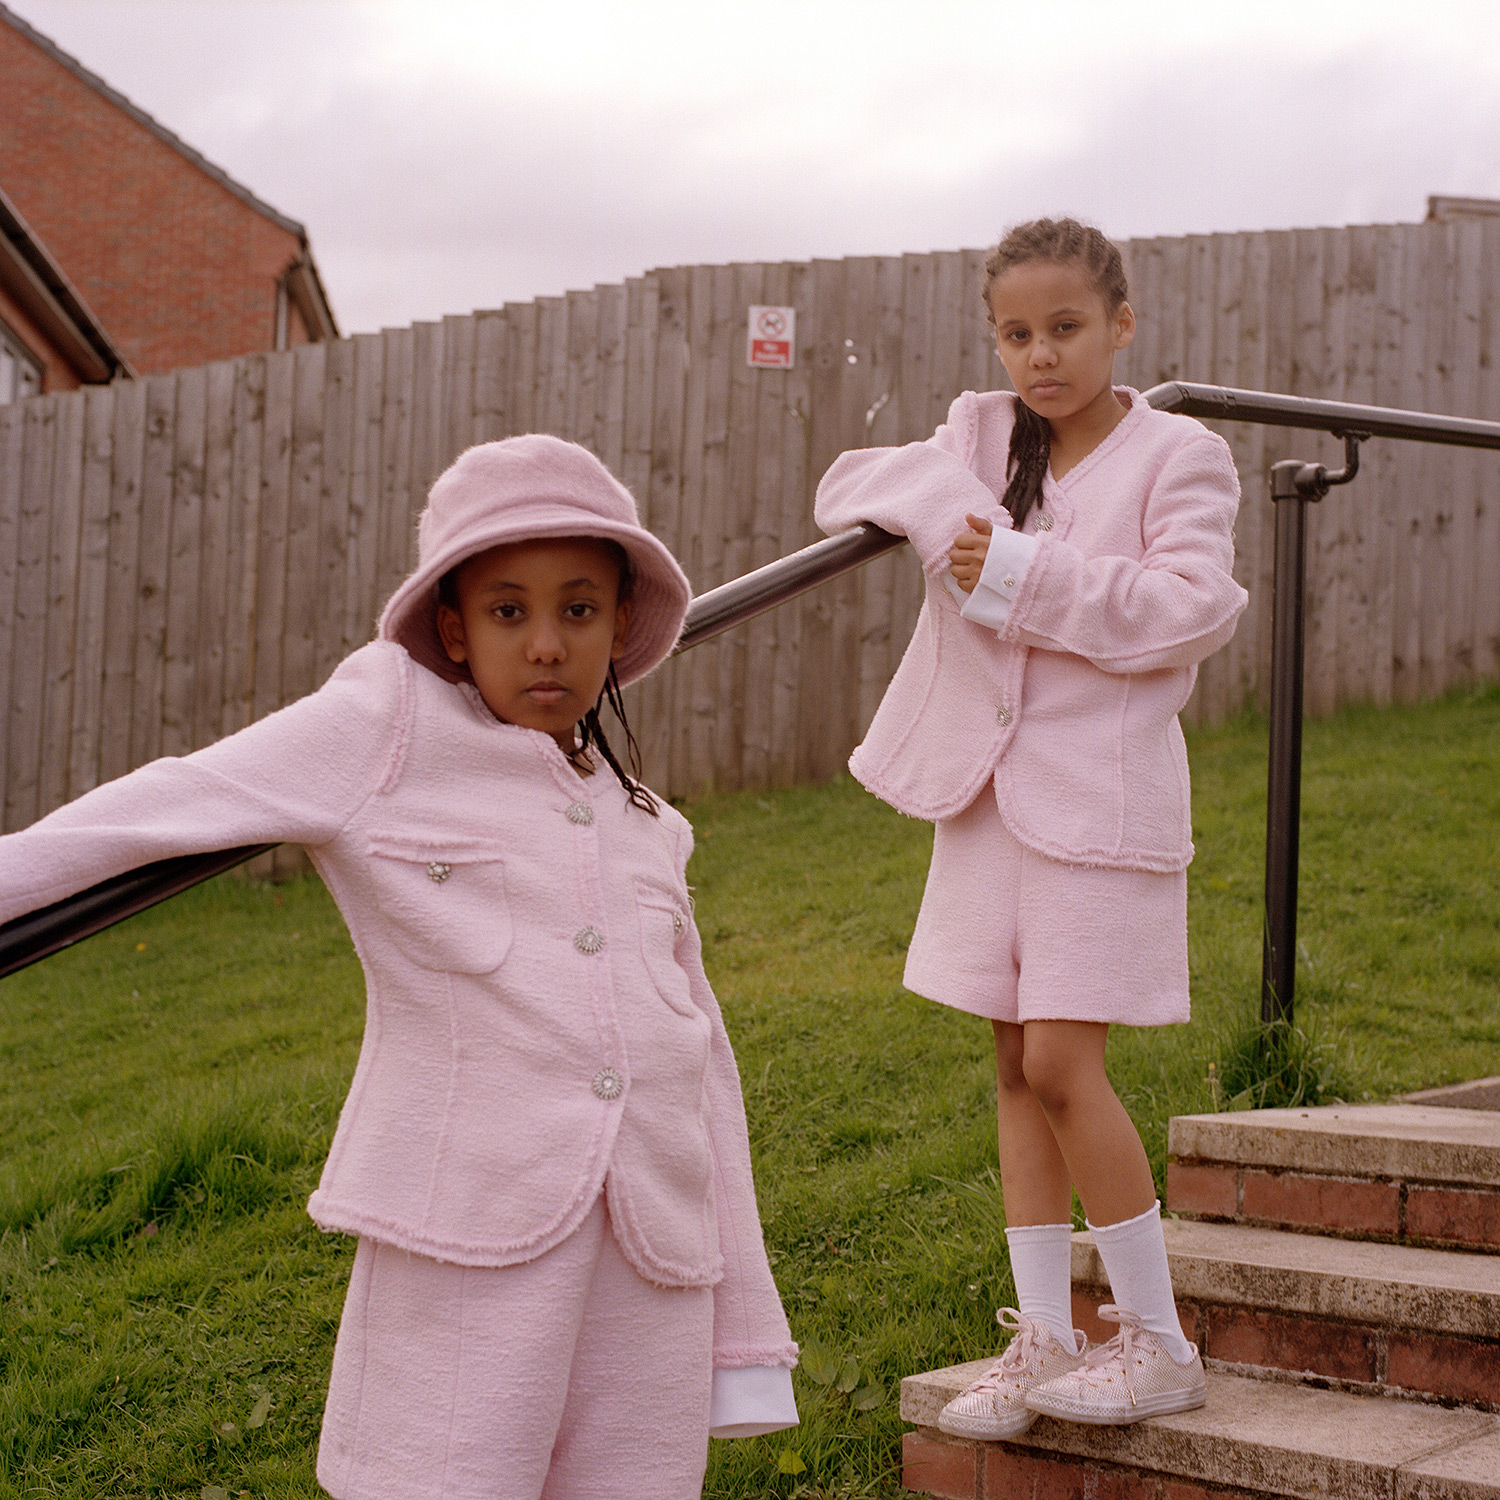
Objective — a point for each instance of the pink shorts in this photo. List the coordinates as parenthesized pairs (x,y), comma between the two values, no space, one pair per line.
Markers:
(567,1376)
(1009,934)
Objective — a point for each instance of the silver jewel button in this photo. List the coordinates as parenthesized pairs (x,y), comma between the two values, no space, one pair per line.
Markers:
(1009,580)
(677,922)
(438,872)
(580,813)
(1002,716)
(608,1084)
(588,940)
(1044,523)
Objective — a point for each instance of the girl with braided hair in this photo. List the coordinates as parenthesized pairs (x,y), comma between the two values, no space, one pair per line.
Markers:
(560,1287)
(1077,548)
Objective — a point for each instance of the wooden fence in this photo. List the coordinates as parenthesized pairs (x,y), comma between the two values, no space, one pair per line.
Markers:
(181,554)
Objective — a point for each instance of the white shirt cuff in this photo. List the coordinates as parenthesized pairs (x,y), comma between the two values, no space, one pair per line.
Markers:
(751,1400)
(1005,565)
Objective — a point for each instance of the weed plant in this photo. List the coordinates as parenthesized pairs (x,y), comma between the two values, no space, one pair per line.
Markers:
(168,1090)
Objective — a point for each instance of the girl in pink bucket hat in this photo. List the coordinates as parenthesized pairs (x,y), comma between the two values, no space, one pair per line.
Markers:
(560,1287)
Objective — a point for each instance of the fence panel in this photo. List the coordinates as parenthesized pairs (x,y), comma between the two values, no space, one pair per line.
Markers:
(182,554)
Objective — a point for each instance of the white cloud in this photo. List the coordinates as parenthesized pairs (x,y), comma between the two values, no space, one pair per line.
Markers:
(449,155)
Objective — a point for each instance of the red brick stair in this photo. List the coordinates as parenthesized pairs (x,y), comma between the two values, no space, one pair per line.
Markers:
(1338,1370)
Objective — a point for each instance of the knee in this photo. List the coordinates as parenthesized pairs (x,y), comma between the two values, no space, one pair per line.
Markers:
(1010,1055)
(1052,1077)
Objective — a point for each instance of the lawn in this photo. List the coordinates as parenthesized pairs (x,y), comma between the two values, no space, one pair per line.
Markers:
(168,1088)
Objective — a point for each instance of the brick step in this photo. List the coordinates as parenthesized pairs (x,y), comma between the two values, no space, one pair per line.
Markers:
(1255,1439)
(1371,1317)
(1402,1173)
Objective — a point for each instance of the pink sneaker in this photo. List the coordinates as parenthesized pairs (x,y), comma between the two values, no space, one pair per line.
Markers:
(1131,1377)
(992,1407)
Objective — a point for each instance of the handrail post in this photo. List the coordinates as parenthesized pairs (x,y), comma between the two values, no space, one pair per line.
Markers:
(1294,485)
(1284,766)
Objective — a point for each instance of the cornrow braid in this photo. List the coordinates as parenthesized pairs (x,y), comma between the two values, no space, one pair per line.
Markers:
(591,732)
(1058,241)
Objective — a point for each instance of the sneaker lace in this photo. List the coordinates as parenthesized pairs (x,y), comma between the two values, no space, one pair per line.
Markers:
(1118,1355)
(1019,1353)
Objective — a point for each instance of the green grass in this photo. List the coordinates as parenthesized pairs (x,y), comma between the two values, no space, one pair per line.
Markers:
(167,1091)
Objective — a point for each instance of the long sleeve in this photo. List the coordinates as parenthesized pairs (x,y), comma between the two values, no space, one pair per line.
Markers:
(750,1327)
(922,491)
(1173,607)
(751,1400)
(295,776)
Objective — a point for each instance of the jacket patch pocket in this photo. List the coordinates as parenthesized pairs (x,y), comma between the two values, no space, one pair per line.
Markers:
(663,920)
(444,905)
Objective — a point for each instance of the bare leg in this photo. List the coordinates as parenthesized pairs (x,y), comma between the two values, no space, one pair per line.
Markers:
(1063,1068)
(1033,1174)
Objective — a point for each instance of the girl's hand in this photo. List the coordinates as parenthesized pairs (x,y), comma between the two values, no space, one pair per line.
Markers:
(967,554)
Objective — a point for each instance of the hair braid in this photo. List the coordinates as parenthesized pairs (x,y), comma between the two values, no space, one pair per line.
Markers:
(591,732)
(1058,241)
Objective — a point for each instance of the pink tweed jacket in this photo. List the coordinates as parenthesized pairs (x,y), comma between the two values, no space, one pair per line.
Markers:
(539,1023)
(1070,708)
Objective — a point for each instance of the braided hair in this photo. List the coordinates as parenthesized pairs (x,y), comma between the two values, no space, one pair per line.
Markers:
(1059,241)
(590,730)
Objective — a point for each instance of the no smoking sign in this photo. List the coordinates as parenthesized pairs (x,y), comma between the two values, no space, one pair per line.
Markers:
(772,336)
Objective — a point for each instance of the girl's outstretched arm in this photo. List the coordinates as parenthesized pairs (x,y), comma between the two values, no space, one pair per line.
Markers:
(295,776)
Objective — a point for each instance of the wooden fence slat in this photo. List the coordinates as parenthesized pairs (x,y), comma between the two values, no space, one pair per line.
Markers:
(1355,625)
(456,405)
(151,579)
(522,321)
(305,507)
(184,562)
(92,594)
(699,548)
(1461,387)
(271,539)
(334,518)
(609,395)
(65,528)
(1382,465)
(793,647)
(29,655)
(12,488)
(126,454)
(828,683)
(1411,477)
(742,756)
(366,474)
(397,504)
(582,310)
(667,392)
(491,346)
(1487,527)
(1210,693)
(427,427)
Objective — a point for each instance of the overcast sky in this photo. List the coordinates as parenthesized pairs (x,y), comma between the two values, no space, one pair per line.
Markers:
(453,154)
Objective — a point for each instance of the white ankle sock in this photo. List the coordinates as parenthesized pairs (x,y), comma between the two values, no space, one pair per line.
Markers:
(1041,1260)
(1134,1253)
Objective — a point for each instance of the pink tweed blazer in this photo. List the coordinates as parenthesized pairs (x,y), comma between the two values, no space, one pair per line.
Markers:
(1070,709)
(539,1023)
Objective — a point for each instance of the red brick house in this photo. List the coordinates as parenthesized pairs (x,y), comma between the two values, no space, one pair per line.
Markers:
(155,255)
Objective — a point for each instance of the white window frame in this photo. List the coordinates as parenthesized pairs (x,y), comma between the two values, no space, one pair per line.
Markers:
(21,372)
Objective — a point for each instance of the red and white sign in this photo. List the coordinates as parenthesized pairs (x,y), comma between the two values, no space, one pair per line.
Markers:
(773,333)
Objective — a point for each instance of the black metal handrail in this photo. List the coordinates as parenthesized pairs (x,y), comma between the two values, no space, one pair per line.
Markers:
(1294,486)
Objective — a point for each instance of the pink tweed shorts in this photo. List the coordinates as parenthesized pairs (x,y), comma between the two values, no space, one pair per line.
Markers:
(1011,935)
(567,1377)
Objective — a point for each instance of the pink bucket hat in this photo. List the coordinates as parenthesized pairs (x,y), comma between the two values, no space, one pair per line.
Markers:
(518,490)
